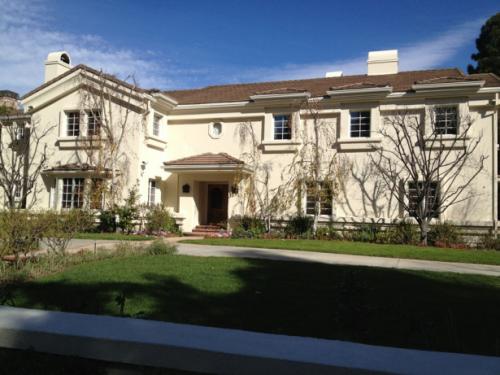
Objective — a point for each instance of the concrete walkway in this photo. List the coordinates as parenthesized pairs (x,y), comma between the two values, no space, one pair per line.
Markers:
(344,259)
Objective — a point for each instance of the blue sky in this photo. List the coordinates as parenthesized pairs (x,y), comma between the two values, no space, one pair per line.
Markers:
(183,44)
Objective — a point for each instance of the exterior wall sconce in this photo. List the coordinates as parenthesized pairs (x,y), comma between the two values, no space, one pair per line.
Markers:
(186,188)
(234,189)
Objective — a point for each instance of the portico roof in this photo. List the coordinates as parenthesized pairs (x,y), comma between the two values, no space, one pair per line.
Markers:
(76,168)
(207,162)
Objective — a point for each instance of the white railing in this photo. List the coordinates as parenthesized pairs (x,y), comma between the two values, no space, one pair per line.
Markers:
(218,350)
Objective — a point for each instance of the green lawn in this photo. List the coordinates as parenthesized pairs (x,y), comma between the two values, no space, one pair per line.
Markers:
(364,248)
(427,310)
(113,236)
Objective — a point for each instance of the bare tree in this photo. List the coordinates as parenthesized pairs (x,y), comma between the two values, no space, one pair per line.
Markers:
(24,155)
(116,111)
(377,198)
(430,157)
(259,199)
(316,166)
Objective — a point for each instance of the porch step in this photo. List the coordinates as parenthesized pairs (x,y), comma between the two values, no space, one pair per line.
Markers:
(205,231)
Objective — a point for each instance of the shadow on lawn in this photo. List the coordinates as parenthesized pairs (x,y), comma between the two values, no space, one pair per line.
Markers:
(370,305)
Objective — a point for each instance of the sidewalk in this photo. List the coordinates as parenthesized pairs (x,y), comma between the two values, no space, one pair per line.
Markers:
(343,259)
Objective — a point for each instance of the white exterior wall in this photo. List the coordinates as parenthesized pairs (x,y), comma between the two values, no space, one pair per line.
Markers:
(185,132)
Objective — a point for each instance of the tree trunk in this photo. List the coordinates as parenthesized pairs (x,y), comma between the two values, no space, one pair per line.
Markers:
(424,232)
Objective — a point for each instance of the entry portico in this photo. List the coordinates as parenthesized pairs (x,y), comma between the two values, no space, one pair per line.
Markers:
(207,188)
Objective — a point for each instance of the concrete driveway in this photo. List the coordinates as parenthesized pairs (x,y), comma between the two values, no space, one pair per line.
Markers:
(341,259)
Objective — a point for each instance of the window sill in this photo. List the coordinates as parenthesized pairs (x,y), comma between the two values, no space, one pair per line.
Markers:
(359,144)
(447,142)
(280,145)
(155,142)
(77,142)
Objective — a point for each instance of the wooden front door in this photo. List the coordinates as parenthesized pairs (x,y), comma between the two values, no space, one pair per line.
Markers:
(217,204)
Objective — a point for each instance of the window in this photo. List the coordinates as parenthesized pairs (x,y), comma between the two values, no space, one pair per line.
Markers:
(94,123)
(417,197)
(360,124)
(19,132)
(96,193)
(325,199)
(282,129)
(156,125)
(72,195)
(446,120)
(215,130)
(73,124)
(152,192)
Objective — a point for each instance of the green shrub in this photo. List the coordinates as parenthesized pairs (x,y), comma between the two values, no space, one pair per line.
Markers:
(327,233)
(107,221)
(402,232)
(443,234)
(299,225)
(159,219)
(62,227)
(366,233)
(20,232)
(246,227)
(160,247)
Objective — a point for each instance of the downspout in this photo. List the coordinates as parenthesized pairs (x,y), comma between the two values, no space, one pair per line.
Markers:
(495,161)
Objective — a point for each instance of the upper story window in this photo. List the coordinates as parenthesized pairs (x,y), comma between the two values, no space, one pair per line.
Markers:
(152,192)
(282,128)
(215,130)
(360,124)
(156,125)
(417,198)
(325,199)
(94,123)
(73,124)
(72,194)
(446,120)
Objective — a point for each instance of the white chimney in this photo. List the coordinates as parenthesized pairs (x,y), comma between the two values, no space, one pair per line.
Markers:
(56,64)
(383,62)
(337,73)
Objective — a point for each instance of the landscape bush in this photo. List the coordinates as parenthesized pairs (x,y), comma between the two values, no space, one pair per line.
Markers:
(246,226)
(444,234)
(160,247)
(299,226)
(21,232)
(159,219)
(62,226)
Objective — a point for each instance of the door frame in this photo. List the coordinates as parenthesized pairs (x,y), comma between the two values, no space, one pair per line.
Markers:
(225,186)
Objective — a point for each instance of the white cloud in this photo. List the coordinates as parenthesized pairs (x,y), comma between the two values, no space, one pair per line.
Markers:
(26,38)
(425,54)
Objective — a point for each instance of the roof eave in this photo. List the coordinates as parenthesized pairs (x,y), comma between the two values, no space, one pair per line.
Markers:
(448,86)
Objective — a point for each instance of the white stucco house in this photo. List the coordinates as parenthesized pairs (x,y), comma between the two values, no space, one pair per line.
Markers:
(187,156)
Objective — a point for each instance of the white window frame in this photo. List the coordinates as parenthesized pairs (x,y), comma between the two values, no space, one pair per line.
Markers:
(152,191)
(94,114)
(75,200)
(449,122)
(73,129)
(156,124)
(358,132)
(284,124)
(306,208)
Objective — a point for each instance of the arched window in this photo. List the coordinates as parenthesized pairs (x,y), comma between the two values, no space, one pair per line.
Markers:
(215,130)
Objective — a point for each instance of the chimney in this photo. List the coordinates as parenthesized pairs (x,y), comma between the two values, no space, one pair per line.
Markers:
(337,73)
(9,100)
(383,62)
(56,64)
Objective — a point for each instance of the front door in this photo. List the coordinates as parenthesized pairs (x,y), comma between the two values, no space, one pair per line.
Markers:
(217,204)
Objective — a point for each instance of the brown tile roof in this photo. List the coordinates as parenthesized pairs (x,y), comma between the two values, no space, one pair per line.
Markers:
(87,69)
(401,81)
(74,167)
(206,159)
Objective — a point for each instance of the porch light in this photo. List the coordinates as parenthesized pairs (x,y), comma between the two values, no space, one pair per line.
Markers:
(186,188)
(234,189)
